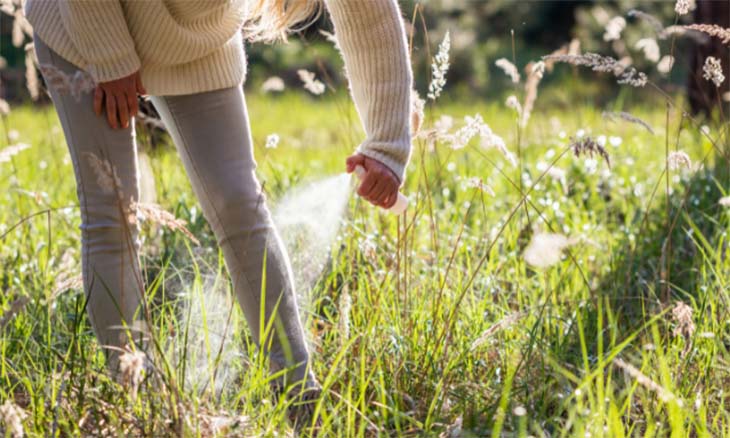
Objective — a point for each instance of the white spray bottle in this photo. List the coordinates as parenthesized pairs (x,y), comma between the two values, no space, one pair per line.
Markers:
(400,204)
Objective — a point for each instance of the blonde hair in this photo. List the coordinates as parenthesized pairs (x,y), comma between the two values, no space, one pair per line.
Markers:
(270,20)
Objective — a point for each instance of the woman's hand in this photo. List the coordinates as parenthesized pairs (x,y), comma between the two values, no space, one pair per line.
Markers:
(380,185)
(119,99)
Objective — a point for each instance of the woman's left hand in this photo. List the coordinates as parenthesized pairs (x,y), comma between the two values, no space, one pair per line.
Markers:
(380,185)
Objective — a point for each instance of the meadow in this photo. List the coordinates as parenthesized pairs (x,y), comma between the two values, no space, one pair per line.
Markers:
(551,296)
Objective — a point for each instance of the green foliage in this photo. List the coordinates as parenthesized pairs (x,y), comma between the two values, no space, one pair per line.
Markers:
(425,324)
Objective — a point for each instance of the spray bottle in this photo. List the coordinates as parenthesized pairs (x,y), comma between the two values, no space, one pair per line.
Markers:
(400,204)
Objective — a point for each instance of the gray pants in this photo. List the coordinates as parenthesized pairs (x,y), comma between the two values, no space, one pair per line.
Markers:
(211,133)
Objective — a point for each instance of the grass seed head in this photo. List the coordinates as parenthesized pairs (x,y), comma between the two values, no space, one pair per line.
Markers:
(713,71)
(439,68)
(12,417)
(588,146)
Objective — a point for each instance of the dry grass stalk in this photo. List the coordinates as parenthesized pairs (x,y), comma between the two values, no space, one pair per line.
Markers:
(106,175)
(153,213)
(604,64)
(417,112)
(15,307)
(77,84)
(590,147)
(628,118)
(682,315)
(4,107)
(712,30)
(536,71)
(509,69)
(499,325)
(32,82)
(131,368)
(439,68)
(650,19)
(643,380)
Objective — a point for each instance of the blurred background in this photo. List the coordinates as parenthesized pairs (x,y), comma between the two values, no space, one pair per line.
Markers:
(482,32)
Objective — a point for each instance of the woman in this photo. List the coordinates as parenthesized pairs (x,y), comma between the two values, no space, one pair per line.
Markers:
(188,56)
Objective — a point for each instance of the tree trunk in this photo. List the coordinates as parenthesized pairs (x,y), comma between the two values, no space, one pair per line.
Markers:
(703,95)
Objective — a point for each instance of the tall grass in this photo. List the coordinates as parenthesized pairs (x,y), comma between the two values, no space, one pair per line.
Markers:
(556,296)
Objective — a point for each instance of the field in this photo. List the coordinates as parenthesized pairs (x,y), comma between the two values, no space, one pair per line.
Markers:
(556,296)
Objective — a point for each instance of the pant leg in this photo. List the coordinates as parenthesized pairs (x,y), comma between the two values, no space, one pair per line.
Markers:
(105,166)
(211,133)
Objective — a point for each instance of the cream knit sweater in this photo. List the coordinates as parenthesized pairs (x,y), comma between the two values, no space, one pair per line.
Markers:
(192,46)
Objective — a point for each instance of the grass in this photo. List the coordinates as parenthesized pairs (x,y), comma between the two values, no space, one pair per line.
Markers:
(425,325)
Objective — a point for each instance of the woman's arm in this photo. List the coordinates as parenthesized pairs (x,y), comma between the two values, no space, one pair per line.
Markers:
(99,31)
(372,38)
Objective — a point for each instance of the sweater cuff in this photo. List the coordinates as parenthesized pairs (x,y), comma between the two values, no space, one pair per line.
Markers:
(114,69)
(377,152)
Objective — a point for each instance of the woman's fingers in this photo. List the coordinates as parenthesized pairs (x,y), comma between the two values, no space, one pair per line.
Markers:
(132,104)
(111,111)
(123,110)
(98,100)
(367,185)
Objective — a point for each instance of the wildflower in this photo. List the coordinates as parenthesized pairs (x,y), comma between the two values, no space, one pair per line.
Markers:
(513,103)
(439,68)
(678,160)
(444,124)
(628,118)
(417,112)
(650,48)
(12,416)
(519,411)
(604,64)
(614,28)
(683,7)
(713,71)
(665,65)
(273,84)
(12,150)
(711,30)
(272,141)
(545,249)
(311,84)
(509,69)
(131,367)
(590,147)
(479,184)
(724,201)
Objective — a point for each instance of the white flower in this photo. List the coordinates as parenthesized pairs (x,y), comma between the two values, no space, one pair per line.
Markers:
(713,71)
(273,84)
(545,249)
(11,151)
(509,69)
(684,7)
(272,141)
(513,103)
(311,84)
(444,124)
(615,141)
(678,160)
(724,201)
(439,68)
(650,48)
(12,417)
(665,65)
(614,28)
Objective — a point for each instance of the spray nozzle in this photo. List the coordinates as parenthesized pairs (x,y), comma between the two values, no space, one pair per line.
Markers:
(400,204)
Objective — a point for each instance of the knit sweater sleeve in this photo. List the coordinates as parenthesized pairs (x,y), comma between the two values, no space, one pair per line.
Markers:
(99,31)
(372,39)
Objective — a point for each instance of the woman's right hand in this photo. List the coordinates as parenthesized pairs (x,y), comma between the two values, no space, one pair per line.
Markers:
(119,99)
